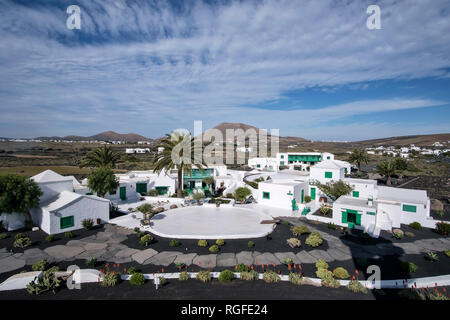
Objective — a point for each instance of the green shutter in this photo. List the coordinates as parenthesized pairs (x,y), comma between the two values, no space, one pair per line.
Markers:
(266,195)
(358,219)
(313,193)
(409,208)
(344,216)
(303,196)
(371,213)
(123,193)
(356,194)
(66,222)
(328,174)
(281,163)
(141,187)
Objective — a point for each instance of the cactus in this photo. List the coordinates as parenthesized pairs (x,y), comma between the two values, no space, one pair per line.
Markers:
(47,282)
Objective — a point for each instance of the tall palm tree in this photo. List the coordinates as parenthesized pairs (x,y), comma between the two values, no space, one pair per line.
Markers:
(358,156)
(101,157)
(171,145)
(387,169)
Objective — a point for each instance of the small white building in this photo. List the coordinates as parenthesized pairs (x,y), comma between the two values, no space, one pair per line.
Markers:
(282,194)
(137,150)
(270,164)
(61,209)
(327,171)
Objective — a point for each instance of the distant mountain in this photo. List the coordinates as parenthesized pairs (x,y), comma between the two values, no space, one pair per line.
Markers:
(103,136)
(419,140)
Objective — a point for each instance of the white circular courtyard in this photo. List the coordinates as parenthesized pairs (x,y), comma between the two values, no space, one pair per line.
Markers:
(204,222)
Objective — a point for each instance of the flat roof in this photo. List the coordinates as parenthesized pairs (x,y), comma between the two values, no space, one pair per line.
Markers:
(402,195)
(365,181)
(354,202)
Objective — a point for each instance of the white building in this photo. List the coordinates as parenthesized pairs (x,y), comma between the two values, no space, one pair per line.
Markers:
(60,209)
(137,150)
(270,164)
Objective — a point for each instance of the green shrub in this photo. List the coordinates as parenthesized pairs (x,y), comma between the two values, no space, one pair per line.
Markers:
(49,238)
(220,242)
(322,273)
(295,278)
(68,234)
(41,265)
(183,276)
(314,239)
(443,228)
(299,230)
(136,229)
(411,294)
(241,268)
(48,282)
(146,240)
(131,270)
(307,199)
(250,244)
(288,261)
(202,243)
(431,256)
(321,264)
(174,243)
(416,225)
(91,262)
(270,277)
(437,296)
(357,287)
(19,236)
(398,234)
(214,249)
(110,279)
(408,267)
(22,242)
(137,279)
(447,253)
(327,278)
(3,236)
(87,224)
(152,192)
(249,275)
(204,276)
(145,208)
(226,276)
(294,242)
(162,281)
(332,226)
(340,273)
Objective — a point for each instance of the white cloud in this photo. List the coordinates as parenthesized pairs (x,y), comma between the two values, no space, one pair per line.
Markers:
(205,62)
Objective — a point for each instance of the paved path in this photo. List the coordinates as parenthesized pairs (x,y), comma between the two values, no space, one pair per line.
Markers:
(107,246)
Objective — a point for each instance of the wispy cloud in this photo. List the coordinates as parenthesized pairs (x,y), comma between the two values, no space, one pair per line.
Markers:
(148,66)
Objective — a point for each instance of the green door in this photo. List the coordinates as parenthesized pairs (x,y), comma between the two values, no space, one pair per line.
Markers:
(141,188)
(313,193)
(303,195)
(123,193)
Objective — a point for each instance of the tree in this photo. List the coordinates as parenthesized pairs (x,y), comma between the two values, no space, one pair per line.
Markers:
(102,180)
(174,143)
(335,189)
(101,157)
(400,164)
(198,196)
(209,181)
(358,156)
(18,194)
(242,193)
(387,169)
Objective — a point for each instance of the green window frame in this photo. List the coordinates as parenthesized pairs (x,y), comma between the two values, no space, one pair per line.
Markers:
(328,158)
(282,157)
(258,166)
(328,174)
(282,163)
(266,195)
(66,222)
(355,194)
(409,208)
(370,213)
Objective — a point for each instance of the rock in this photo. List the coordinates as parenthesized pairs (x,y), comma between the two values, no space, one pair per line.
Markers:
(409,234)
(338,255)
(35,229)
(226,260)
(186,259)
(11,263)
(266,258)
(305,257)
(128,252)
(205,261)
(163,258)
(398,231)
(158,210)
(174,206)
(244,257)
(64,252)
(321,254)
(283,255)
(95,246)
(436,205)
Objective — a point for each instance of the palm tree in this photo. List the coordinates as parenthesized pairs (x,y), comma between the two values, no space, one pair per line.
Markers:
(101,157)
(209,181)
(358,156)
(387,169)
(174,143)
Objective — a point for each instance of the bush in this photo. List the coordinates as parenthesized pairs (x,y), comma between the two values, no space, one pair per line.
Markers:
(19,236)
(411,294)
(87,224)
(242,193)
(408,267)
(357,287)
(146,239)
(136,229)
(204,276)
(307,199)
(340,273)
(294,242)
(183,276)
(322,273)
(332,226)
(270,277)
(447,253)
(91,262)
(22,242)
(214,249)
(131,270)
(241,268)
(288,261)
(145,208)
(49,238)
(110,279)
(68,234)
(326,211)
(416,225)
(152,192)
(443,228)
(431,256)
(229,196)
(48,282)
(220,242)
(137,279)
(327,278)
(226,276)
(321,264)
(41,265)
(202,243)
(250,244)
(397,234)
(3,236)
(249,275)
(295,278)
(314,239)
(299,230)
(174,243)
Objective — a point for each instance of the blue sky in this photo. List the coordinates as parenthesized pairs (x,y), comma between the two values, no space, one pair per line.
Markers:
(308,68)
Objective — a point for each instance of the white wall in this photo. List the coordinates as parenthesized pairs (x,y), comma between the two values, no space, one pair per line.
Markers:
(52,189)
(319,174)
